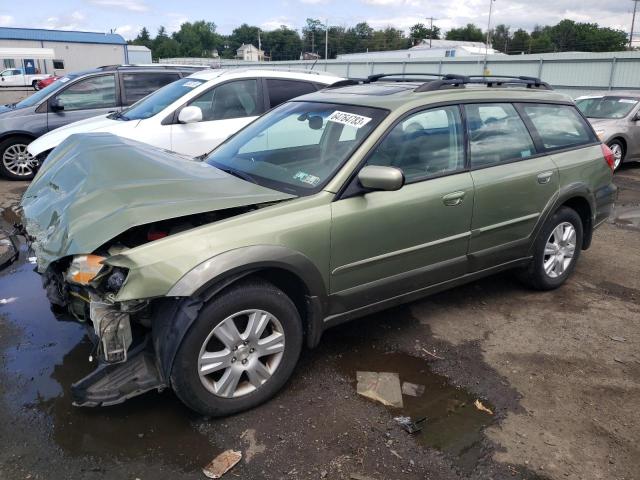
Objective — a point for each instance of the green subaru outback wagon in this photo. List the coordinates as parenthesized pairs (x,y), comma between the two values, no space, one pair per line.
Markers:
(208,277)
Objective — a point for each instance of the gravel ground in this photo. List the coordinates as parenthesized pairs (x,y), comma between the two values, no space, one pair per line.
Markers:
(559,370)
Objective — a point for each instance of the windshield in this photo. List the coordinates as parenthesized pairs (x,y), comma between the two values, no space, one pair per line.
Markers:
(40,95)
(160,99)
(606,107)
(297,147)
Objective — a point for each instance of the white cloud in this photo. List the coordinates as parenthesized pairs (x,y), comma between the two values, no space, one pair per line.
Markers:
(175,20)
(6,20)
(275,23)
(129,32)
(314,2)
(131,5)
(393,3)
(70,21)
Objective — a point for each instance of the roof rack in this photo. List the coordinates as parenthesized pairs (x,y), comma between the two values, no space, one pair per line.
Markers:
(379,76)
(453,81)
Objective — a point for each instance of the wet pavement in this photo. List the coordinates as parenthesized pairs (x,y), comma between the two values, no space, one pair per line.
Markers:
(544,363)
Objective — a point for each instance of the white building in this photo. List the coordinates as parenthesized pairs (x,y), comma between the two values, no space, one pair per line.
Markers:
(250,53)
(438,48)
(138,54)
(72,50)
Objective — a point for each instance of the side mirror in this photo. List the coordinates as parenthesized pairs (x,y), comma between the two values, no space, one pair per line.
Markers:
(56,105)
(375,177)
(190,114)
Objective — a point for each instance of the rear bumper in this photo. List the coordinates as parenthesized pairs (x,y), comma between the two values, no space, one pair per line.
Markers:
(605,200)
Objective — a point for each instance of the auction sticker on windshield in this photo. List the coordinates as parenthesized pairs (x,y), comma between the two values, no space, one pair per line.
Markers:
(350,119)
(192,84)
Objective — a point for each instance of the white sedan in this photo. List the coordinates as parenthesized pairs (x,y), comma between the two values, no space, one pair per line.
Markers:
(195,114)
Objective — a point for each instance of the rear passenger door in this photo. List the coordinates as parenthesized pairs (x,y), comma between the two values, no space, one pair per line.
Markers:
(514,183)
(137,85)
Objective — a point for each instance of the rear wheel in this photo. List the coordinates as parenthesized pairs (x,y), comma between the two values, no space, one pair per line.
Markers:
(556,251)
(240,350)
(617,148)
(16,163)
(34,84)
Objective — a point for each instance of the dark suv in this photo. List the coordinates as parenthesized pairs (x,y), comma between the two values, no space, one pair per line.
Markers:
(74,97)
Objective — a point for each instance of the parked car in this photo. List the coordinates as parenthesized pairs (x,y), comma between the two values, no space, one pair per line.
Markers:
(74,97)
(15,77)
(45,82)
(615,117)
(194,115)
(208,277)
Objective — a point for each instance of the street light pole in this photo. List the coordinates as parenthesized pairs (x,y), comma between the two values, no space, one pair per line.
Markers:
(326,39)
(486,46)
(633,23)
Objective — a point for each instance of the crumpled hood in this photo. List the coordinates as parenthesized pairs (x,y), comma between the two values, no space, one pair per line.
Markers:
(100,123)
(95,186)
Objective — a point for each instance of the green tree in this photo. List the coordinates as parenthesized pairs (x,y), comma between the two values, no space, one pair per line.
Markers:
(520,42)
(247,34)
(198,39)
(164,46)
(500,38)
(312,34)
(420,32)
(470,33)
(143,38)
(282,44)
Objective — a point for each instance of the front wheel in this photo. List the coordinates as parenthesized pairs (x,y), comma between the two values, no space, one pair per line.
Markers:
(556,251)
(34,84)
(240,350)
(16,163)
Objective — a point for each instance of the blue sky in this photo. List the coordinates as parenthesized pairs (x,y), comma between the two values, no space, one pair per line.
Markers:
(128,16)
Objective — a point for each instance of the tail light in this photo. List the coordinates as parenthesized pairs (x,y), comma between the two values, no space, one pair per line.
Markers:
(608,156)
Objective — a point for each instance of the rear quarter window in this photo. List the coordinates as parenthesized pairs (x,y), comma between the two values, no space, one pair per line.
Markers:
(559,126)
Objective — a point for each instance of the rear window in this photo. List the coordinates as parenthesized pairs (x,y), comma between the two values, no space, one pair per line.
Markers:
(559,126)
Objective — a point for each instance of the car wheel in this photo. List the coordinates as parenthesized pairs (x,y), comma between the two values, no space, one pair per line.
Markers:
(617,148)
(240,350)
(34,84)
(556,251)
(16,163)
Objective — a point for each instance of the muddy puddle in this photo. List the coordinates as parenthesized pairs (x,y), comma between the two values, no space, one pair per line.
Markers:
(43,357)
(627,216)
(453,424)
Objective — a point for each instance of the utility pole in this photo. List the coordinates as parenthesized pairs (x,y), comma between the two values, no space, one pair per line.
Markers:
(431,19)
(633,23)
(486,47)
(326,39)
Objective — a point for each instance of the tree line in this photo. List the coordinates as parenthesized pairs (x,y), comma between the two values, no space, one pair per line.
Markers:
(201,39)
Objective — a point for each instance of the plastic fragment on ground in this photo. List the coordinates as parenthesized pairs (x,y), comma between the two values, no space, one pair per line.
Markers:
(383,387)
(481,407)
(222,464)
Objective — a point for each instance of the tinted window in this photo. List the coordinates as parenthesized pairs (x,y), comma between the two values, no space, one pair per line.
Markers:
(282,90)
(139,85)
(92,92)
(496,134)
(559,126)
(425,144)
(45,92)
(235,99)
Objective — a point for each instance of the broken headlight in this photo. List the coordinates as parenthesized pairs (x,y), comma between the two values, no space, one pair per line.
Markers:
(84,268)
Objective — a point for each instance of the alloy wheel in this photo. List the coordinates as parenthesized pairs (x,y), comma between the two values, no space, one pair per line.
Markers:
(616,149)
(18,161)
(559,250)
(241,353)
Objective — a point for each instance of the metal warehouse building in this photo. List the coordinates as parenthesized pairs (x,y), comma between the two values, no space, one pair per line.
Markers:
(72,50)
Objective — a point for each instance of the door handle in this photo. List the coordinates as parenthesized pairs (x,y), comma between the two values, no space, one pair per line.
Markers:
(544,177)
(453,199)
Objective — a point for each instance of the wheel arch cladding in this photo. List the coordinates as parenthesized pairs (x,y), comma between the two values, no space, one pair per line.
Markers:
(583,208)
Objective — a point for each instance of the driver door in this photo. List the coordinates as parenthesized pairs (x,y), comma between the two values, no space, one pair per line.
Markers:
(226,108)
(385,244)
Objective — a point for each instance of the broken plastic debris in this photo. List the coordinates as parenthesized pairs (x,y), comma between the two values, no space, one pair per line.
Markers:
(411,426)
(412,389)
(383,387)
(481,407)
(4,301)
(617,339)
(222,464)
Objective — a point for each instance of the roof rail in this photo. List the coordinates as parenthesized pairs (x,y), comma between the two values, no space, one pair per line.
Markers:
(453,81)
(379,76)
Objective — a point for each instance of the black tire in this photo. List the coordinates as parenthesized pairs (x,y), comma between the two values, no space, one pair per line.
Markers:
(185,379)
(535,275)
(7,144)
(34,84)
(617,144)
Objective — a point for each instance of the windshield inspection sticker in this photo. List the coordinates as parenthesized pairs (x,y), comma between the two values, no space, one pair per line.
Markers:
(350,119)
(191,84)
(307,178)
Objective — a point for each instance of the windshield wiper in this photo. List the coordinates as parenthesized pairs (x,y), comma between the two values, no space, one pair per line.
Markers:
(236,173)
(118,116)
